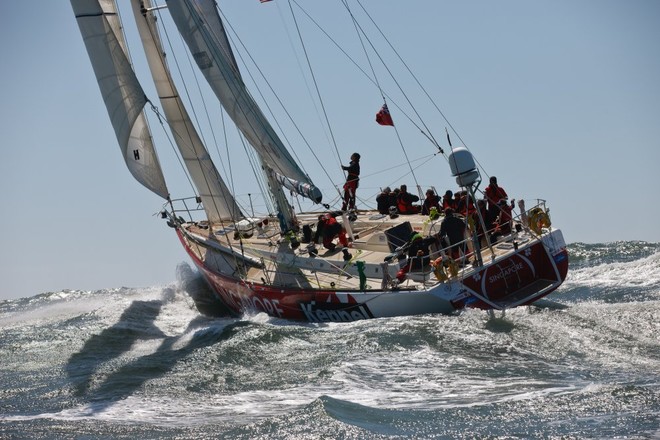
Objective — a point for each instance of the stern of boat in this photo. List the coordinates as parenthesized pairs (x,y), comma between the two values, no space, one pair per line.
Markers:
(532,271)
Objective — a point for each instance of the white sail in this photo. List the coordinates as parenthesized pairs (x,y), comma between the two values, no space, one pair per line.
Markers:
(217,199)
(201,27)
(122,93)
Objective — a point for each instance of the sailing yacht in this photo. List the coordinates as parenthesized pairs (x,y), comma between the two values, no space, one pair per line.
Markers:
(273,261)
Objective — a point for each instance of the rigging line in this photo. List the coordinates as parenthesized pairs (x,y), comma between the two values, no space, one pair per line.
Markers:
(358,29)
(185,88)
(176,153)
(259,178)
(297,200)
(204,105)
(424,160)
(409,70)
(335,201)
(235,79)
(224,130)
(123,44)
(226,141)
(308,89)
(316,86)
(365,201)
(264,100)
(413,174)
(396,130)
(208,118)
(238,89)
(405,95)
(421,87)
(361,70)
(366,53)
(284,108)
(183,110)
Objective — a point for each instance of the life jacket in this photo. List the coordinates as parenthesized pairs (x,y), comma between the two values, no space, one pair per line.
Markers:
(470,207)
(448,202)
(404,203)
(494,195)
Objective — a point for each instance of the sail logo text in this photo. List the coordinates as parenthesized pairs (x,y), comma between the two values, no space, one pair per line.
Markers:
(505,273)
(328,315)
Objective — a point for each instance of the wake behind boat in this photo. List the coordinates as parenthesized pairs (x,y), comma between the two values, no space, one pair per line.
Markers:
(326,264)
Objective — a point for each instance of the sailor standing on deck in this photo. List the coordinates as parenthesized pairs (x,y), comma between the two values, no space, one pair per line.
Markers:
(352,180)
(494,193)
(452,230)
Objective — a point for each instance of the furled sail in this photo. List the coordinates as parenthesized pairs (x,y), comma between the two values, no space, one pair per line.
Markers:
(123,96)
(216,198)
(202,29)
(302,188)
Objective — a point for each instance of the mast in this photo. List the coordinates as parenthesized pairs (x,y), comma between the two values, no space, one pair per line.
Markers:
(202,29)
(124,98)
(217,200)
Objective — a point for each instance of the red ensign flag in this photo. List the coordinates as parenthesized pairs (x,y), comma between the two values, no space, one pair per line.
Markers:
(383,117)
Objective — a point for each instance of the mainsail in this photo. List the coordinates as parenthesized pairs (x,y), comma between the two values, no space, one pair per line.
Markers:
(202,29)
(122,93)
(217,199)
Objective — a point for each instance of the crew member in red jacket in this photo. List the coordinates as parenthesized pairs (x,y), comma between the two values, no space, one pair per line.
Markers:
(503,223)
(405,200)
(448,201)
(328,228)
(494,194)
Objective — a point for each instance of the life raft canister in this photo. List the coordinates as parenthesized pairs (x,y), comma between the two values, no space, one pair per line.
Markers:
(444,268)
(538,219)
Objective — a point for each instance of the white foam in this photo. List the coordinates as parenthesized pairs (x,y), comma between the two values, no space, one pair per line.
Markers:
(643,272)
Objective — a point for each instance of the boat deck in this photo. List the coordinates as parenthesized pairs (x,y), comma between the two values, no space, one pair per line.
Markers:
(273,261)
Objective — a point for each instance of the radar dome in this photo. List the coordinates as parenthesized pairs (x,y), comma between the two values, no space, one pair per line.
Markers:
(463,167)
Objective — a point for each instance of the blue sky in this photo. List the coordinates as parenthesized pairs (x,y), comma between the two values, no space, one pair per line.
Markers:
(560,100)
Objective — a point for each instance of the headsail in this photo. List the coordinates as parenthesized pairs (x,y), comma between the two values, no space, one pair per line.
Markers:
(217,199)
(202,29)
(122,93)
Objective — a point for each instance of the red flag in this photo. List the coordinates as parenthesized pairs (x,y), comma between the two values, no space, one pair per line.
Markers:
(383,116)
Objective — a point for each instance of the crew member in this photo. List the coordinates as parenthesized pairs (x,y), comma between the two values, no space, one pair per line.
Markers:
(352,181)
(494,194)
(504,220)
(452,230)
(384,200)
(328,228)
(405,200)
(431,201)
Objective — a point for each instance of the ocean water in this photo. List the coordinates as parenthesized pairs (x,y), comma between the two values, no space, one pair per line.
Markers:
(142,363)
